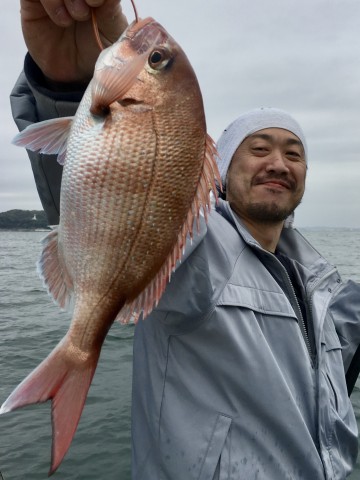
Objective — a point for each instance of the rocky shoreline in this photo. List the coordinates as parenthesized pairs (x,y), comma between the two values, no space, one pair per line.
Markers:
(24,220)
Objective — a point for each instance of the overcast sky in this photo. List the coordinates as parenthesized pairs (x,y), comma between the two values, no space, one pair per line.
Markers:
(303,57)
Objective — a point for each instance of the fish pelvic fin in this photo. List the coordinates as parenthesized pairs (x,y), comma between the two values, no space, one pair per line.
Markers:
(66,383)
(53,273)
(202,204)
(49,137)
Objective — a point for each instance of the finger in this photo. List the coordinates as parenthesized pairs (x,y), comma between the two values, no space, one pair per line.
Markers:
(57,12)
(78,9)
(111,20)
(95,3)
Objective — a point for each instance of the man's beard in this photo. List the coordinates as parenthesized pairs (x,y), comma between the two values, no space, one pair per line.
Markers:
(265,212)
(268,213)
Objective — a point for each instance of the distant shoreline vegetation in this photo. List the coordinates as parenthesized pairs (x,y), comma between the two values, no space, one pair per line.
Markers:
(23,220)
(30,220)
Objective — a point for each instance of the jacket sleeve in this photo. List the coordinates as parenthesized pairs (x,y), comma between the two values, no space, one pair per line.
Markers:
(32,101)
(345,311)
(194,289)
(189,287)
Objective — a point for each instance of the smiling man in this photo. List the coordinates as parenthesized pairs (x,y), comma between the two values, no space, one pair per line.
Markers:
(266,177)
(244,361)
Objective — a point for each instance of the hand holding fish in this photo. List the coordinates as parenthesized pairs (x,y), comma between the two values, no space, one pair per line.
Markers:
(59,35)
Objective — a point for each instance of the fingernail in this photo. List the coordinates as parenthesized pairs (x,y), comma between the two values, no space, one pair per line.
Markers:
(62,16)
(79,8)
(95,3)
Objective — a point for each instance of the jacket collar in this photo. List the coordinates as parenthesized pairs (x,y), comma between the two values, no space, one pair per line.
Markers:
(292,243)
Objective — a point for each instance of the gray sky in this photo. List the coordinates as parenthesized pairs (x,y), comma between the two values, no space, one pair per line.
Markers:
(303,57)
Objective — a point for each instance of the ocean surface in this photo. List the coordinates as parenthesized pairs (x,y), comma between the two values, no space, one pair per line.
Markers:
(31,325)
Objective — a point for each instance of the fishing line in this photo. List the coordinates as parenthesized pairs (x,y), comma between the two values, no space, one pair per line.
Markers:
(135,11)
(96,28)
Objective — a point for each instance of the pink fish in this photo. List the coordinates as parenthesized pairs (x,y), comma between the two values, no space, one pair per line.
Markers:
(138,169)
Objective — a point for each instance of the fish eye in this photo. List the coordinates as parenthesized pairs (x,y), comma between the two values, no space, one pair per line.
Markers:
(158,59)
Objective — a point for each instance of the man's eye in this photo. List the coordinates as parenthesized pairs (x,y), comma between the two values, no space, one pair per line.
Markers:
(294,154)
(259,147)
(260,150)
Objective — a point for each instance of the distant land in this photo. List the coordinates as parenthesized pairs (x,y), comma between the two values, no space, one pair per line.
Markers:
(23,220)
(36,219)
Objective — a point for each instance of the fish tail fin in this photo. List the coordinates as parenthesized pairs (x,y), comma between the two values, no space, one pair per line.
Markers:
(66,383)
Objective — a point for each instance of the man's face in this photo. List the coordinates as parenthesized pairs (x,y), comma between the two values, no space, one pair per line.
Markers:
(266,177)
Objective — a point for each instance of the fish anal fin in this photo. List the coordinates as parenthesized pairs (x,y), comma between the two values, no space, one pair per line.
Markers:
(53,273)
(151,295)
(49,137)
(66,383)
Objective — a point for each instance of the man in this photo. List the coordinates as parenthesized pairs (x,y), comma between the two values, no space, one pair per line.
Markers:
(240,372)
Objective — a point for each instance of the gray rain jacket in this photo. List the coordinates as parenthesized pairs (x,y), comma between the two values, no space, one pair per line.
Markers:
(224,384)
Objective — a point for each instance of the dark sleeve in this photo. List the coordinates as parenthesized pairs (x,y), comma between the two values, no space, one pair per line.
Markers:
(32,101)
(345,311)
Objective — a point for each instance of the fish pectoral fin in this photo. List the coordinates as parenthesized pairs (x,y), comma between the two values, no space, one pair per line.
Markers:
(49,137)
(66,383)
(54,275)
(110,84)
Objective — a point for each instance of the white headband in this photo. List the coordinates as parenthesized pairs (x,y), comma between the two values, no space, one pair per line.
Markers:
(246,125)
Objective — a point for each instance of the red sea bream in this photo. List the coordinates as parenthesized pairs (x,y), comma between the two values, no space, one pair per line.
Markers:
(138,169)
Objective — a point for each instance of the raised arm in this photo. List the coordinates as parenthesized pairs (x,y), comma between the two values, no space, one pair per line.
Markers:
(60,63)
(60,39)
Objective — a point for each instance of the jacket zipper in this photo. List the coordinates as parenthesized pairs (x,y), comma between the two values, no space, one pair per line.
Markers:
(301,320)
(310,309)
(312,291)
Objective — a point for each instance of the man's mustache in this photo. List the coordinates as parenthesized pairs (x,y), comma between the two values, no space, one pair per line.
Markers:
(284,180)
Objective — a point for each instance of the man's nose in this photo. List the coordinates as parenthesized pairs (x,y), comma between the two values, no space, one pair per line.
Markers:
(277,163)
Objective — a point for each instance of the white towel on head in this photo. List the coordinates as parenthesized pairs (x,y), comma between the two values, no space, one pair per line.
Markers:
(246,125)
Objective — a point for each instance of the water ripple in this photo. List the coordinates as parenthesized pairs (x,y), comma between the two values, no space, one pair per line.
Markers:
(31,325)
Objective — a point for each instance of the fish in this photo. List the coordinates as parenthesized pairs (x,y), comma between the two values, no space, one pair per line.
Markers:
(139,172)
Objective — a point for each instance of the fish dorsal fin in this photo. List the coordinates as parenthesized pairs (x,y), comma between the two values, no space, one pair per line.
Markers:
(49,137)
(111,83)
(54,276)
(151,295)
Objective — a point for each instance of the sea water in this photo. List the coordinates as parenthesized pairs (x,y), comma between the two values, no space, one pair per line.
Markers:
(31,325)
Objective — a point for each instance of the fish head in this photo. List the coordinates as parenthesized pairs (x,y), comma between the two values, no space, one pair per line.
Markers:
(145,69)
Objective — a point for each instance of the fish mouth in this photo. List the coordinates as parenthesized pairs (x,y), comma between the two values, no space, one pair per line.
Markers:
(145,34)
(135,27)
